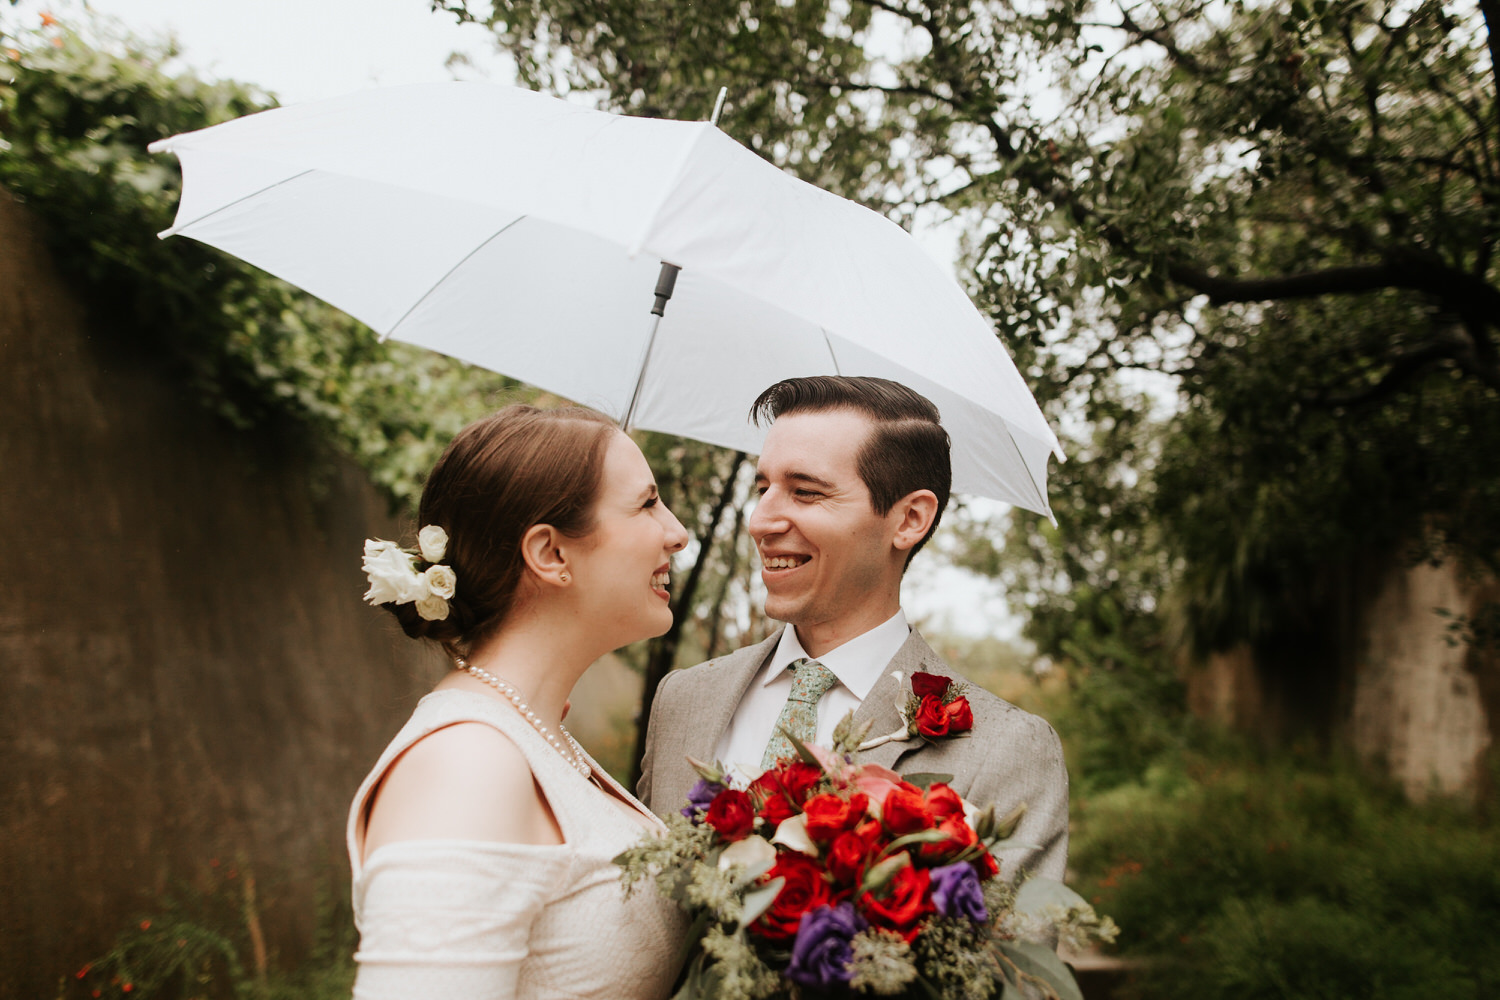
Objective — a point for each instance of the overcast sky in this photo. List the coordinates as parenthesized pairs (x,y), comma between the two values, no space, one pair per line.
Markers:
(307,50)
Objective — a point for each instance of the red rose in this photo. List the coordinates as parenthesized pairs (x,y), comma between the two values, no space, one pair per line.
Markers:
(987,866)
(960,835)
(781,792)
(850,853)
(731,813)
(923,685)
(805,888)
(932,717)
(799,779)
(905,812)
(775,805)
(960,715)
(943,802)
(904,904)
(828,815)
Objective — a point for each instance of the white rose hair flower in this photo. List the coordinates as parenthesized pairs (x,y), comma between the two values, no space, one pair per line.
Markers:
(432,542)
(441,580)
(404,576)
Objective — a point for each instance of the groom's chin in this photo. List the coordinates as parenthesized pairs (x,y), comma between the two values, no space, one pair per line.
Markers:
(781,609)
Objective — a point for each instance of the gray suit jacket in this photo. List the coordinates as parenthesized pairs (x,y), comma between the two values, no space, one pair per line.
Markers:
(1010,756)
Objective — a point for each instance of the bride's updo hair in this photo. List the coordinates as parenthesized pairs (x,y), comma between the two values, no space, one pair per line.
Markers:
(497,478)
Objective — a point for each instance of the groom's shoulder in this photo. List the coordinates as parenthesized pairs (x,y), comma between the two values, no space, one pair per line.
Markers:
(710,675)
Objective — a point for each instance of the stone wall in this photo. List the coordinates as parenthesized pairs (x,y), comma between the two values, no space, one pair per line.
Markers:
(190,688)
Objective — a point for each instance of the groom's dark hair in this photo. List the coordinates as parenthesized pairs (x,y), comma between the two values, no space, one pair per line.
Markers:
(907,449)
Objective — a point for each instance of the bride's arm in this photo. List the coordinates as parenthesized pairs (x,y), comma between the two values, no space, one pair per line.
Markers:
(460,857)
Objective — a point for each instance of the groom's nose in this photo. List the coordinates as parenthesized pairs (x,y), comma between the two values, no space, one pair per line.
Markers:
(767,517)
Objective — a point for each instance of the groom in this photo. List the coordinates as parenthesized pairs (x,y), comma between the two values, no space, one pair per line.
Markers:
(853,479)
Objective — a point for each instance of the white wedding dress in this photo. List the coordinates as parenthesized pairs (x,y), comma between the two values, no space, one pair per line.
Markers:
(464,919)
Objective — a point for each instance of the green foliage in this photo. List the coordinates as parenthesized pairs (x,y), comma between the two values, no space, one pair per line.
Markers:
(1289,208)
(76,115)
(1243,879)
(207,941)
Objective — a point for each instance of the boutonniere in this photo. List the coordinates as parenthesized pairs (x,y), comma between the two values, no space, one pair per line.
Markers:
(933,709)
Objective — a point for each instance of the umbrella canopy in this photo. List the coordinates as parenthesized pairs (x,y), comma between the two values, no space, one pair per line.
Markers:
(525,234)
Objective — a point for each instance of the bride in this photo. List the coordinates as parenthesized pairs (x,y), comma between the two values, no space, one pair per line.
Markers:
(481,842)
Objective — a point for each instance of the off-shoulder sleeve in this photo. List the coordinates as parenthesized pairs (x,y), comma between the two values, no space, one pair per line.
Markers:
(450,920)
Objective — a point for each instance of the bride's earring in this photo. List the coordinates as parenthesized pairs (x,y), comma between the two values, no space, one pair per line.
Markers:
(565,578)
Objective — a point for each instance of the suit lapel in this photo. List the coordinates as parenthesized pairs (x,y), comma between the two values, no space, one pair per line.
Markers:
(879,707)
(718,708)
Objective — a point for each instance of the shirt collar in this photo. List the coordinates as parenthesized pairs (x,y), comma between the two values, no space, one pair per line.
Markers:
(857,663)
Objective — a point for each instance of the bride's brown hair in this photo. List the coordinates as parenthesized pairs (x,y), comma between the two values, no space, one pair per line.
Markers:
(497,478)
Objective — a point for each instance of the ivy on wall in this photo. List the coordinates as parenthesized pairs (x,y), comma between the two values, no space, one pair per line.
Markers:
(77,110)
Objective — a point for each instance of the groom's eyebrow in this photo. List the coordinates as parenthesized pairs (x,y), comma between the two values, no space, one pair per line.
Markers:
(810,479)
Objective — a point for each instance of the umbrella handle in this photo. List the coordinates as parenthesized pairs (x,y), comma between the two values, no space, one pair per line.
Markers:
(665,282)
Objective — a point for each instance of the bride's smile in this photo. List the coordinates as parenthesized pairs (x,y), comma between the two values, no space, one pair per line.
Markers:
(621,571)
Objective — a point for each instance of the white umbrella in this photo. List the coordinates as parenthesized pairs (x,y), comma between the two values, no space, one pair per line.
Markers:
(526,235)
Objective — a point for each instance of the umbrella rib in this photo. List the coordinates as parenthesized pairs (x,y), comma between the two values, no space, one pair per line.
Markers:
(253,194)
(439,283)
(832,356)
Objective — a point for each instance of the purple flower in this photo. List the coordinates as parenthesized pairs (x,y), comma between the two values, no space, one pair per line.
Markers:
(700,798)
(956,892)
(821,954)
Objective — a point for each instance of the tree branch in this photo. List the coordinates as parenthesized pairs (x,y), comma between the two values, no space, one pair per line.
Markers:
(1402,370)
(1461,292)
(1163,37)
(1491,9)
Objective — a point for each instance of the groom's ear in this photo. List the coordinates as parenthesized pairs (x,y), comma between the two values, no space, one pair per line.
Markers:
(542,549)
(913,515)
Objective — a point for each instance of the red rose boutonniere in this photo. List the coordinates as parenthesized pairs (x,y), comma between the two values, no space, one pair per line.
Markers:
(935,708)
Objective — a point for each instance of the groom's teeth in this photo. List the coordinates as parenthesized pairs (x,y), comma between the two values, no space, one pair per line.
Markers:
(783,562)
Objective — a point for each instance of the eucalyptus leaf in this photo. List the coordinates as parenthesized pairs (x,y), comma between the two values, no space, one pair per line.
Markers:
(926,779)
(1040,961)
(1036,894)
(919,837)
(881,873)
(801,748)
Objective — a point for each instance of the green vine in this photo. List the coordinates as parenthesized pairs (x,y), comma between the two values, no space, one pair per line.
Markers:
(77,111)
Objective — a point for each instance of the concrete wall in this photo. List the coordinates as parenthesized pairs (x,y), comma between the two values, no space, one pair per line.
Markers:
(1418,705)
(1390,683)
(187,674)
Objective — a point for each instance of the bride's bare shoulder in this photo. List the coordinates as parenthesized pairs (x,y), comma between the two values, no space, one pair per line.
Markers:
(466,781)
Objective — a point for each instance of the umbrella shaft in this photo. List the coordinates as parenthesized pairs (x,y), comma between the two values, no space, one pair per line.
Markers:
(666,281)
(640,378)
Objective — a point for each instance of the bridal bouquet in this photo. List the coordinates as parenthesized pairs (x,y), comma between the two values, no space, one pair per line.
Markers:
(829,878)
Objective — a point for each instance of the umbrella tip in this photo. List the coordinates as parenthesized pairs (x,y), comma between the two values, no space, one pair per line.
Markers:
(719,106)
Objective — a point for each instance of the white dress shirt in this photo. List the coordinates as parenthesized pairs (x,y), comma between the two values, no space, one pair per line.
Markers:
(857,665)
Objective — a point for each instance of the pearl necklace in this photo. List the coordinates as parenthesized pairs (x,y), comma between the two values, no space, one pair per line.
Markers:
(572,753)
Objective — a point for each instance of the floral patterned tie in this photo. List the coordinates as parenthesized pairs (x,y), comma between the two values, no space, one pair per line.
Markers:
(799,716)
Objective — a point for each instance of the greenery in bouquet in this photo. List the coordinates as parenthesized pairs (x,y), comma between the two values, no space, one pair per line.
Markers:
(828,877)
